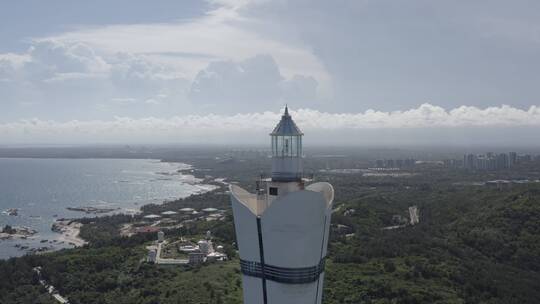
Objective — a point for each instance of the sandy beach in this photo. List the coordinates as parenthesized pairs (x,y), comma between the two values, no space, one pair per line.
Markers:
(69,231)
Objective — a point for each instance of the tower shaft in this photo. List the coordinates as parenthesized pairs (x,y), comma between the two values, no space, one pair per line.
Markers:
(282,230)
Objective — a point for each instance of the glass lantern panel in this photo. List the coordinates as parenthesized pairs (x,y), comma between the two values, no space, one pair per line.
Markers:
(286,146)
(292,143)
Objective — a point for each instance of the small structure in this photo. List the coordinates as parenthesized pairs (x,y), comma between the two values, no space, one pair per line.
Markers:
(499,184)
(160,236)
(187,210)
(349,212)
(209,210)
(152,255)
(414,215)
(342,229)
(215,216)
(399,219)
(151,216)
(216,256)
(196,258)
(168,221)
(205,246)
(202,252)
(167,213)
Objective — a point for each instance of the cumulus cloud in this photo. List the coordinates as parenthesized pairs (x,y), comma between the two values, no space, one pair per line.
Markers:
(233,128)
(61,57)
(10,63)
(80,74)
(57,79)
(255,84)
(335,58)
(388,55)
(221,34)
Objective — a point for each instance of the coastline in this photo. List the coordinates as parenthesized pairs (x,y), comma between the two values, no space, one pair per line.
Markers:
(66,230)
(69,232)
(187,172)
(70,229)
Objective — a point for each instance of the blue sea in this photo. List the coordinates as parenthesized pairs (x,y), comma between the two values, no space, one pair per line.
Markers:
(42,189)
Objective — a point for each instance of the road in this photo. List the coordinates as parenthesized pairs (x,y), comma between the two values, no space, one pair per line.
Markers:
(50,289)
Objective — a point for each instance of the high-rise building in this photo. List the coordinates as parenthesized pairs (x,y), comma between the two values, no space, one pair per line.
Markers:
(512,159)
(282,230)
(489,161)
(469,161)
(525,158)
(503,161)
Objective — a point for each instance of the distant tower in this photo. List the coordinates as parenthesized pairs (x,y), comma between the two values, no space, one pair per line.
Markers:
(282,230)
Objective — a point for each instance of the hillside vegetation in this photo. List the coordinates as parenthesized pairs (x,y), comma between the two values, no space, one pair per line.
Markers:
(474,244)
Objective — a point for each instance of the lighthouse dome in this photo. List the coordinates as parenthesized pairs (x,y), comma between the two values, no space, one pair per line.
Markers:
(286,126)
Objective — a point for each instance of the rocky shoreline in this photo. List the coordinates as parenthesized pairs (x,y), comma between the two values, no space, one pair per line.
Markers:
(92,210)
(11,211)
(16,232)
(69,228)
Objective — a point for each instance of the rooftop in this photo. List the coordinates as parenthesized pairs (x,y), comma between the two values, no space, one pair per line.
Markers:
(286,126)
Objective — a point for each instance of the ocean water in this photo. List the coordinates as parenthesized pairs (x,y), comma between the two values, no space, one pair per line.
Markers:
(42,189)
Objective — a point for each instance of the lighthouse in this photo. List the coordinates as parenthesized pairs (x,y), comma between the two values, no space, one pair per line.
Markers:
(282,229)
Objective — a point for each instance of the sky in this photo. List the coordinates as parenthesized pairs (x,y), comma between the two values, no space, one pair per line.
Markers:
(362,72)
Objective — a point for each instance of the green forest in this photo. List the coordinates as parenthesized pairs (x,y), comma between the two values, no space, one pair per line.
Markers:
(473,244)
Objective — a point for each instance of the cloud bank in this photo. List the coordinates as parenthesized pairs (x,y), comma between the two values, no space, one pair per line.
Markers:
(159,78)
(251,127)
(61,79)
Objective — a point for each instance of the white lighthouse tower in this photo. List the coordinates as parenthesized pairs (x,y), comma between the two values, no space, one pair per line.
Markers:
(282,230)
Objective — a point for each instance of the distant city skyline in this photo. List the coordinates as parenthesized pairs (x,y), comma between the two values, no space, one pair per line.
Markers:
(169,71)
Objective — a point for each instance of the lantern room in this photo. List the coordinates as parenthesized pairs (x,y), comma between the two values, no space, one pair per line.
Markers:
(286,150)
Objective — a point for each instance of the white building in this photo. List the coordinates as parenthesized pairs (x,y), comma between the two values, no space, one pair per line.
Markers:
(196,258)
(152,255)
(205,246)
(282,230)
